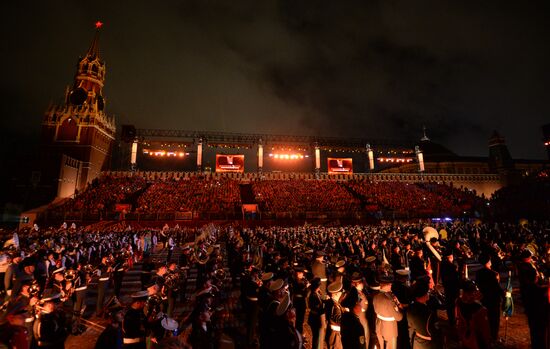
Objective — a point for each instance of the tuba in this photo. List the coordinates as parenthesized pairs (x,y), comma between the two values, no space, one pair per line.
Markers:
(430,233)
(203,244)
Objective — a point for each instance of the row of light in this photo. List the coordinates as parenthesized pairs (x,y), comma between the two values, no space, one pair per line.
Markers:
(395,160)
(547,143)
(169,145)
(166,153)
(288,156)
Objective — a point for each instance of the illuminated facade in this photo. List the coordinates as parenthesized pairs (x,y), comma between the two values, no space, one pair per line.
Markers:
(79,128)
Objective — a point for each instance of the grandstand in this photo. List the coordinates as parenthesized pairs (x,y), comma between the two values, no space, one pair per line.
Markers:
(191,196)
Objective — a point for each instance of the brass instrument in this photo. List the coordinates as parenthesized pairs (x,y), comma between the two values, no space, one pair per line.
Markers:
(172,280)
(430,233)
(466,251)
(153,307)
(203,246)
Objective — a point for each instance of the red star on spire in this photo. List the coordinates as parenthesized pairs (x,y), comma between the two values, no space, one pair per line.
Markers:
(98,24)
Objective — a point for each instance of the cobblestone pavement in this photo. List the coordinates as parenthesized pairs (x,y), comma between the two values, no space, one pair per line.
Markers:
(232,319)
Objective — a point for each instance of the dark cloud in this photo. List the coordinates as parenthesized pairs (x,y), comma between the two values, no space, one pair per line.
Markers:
(379,69)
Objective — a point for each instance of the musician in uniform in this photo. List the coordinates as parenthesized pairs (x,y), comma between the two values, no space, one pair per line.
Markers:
(250,287)
(111,337)
(58,281)
(202,335)
(353,331)
(298,286)
(450,278)
(359,286)
(318,269)
(316,306)
(172,284)
(402,291)
(334,313)
(288,335)
(135,323)
(104,271)
(472,321)
(533,295)
(271,323)
(435,260)
(50,328)
(416,263)
(422,320)
(388,313)
(488,282)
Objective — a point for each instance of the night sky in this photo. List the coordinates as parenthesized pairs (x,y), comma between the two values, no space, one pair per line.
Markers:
(378,69)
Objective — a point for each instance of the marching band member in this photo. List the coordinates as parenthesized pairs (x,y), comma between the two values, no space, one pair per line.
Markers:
(334,315)
(488,282)
(112,336)
(50,328)
(353,331)
(388,313)
(316,313)
(299,285)
(534,294)
(135,323)
(472,321)
(422,320)
(288,335)
(450,278)
(103,273)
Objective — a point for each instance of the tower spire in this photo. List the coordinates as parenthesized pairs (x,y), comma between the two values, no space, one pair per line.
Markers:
(93,51)
(425,137)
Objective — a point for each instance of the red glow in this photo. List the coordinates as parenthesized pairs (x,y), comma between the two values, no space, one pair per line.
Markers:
(98,24)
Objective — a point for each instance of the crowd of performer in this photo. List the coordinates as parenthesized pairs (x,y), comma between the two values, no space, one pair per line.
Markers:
(385,286)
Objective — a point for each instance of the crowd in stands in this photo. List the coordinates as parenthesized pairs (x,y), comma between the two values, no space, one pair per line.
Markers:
(102,194)
(431,198)
(194,194)
(223,195)
(303,196)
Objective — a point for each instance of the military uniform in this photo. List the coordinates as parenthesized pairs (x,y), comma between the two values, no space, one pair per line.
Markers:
(334,313)
(133,328)
(387,315)
(102,284)
(319,270)
(353,333)
(422,321)
(316,319)
(535,302)
(488,282)
(250,304)
(450,277)
(299,293)
(50,331)
(404,295)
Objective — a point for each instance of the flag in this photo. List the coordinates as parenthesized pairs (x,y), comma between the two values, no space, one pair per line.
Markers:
(508,306)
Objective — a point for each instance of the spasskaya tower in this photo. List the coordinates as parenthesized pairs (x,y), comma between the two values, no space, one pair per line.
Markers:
(79,133)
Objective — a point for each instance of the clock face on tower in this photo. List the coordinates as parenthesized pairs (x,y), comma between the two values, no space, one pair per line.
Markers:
(78,96)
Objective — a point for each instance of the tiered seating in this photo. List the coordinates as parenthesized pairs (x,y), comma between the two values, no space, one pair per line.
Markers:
(195,194)
(303,195)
